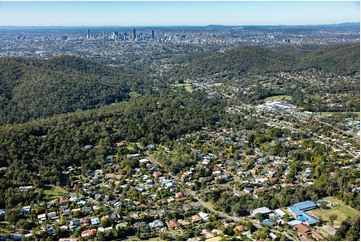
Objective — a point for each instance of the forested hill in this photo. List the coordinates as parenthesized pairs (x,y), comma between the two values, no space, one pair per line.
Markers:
(33,88)
(49,145)
(249,59)
(257,60)
(341,60)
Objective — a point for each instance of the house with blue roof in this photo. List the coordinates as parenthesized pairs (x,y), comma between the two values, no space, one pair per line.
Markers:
(4,237)
(268,222)
(74,224)
(16,237)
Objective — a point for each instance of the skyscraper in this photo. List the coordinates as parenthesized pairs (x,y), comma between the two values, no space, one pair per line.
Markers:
(153,34)
(134,34)
(88,35)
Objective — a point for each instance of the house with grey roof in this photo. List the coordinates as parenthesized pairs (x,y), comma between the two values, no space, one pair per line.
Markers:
(156,224)
(95,222)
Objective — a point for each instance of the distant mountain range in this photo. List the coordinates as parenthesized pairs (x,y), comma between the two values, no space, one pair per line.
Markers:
(346,24)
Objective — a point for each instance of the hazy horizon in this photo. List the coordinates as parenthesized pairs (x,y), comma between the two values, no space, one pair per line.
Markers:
(165,26)
(79,14)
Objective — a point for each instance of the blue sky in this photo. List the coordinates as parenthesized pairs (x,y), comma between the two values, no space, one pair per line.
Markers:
(176,13)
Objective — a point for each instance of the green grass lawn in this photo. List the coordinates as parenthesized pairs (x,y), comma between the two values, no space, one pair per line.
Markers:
(188,87)
(4,230)
(279,98)
(131,147)
(333,113)
(341,210)
(54,191)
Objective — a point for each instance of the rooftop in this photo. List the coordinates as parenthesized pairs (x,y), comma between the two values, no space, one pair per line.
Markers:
(306,205)
(302,228)
(262,210)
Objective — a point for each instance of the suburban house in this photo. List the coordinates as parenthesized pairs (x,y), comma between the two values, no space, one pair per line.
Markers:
(95,222)
(74,224)
(26,209)
(307,232)
(41,218)
(87,233)
(156,224)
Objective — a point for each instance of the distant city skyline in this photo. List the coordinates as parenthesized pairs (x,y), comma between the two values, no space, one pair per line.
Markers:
(183,13)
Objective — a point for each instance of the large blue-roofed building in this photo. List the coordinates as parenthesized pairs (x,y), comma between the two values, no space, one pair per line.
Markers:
(298,211)
(308,219)
(295,211)
(305,206)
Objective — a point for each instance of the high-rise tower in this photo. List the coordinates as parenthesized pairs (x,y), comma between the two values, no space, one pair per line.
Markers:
(153,34)
(88,34)
(134,34)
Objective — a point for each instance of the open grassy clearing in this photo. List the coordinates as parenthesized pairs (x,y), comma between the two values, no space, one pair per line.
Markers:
(340,209)
(54,191)
(187,87)
(278,98)
(333,113)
